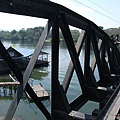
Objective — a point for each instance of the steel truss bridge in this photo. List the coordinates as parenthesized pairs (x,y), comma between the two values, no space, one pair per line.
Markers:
(105,91)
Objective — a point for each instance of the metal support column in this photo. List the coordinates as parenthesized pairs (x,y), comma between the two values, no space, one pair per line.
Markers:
(59,100)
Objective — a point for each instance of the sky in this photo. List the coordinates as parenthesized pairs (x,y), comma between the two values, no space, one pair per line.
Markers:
(104,13)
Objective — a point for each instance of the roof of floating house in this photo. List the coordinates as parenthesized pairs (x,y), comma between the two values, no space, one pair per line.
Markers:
(41,53)
(13,52)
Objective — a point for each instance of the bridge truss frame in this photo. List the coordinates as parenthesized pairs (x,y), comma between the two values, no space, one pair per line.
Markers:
(106,59)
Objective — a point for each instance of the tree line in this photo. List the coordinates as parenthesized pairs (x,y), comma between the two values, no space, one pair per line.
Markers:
(31,34)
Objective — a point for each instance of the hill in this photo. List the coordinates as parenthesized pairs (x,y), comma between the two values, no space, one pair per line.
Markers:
(113,31)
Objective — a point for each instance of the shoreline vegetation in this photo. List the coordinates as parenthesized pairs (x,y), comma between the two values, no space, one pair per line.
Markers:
(33,34)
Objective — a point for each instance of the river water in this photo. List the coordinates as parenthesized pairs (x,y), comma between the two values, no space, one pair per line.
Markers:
(27,110)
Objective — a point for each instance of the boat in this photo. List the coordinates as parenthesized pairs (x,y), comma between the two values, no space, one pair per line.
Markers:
(22,61)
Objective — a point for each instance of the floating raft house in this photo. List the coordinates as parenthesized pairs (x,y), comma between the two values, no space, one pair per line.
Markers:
(22,61)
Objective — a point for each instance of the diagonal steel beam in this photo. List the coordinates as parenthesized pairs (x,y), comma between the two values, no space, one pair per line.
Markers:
(109,55)
(5,55)
(93,64)
(71,48)
(97,54)
(26,75)
(35,55)
(70,69)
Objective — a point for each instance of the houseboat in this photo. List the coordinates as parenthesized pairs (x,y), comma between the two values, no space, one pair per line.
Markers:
(22,61)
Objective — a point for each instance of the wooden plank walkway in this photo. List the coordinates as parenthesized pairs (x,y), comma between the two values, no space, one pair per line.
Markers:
(40,92)
(38,89)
